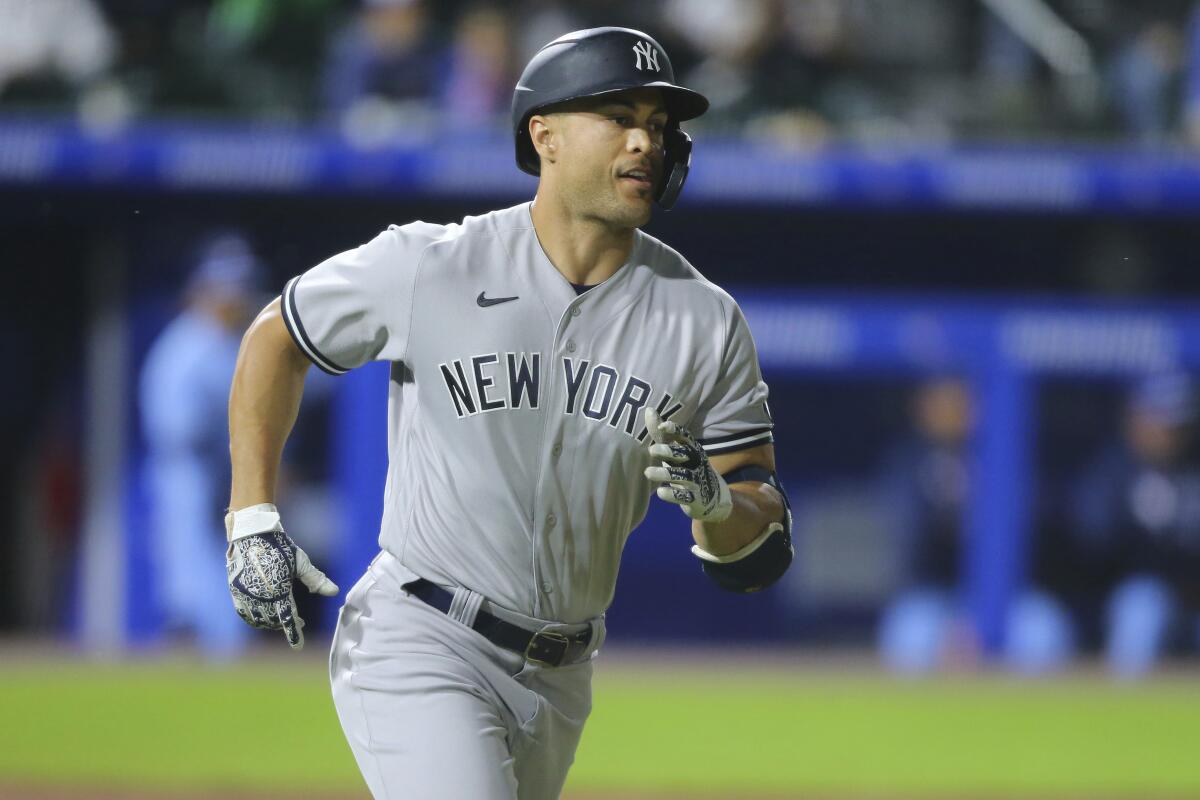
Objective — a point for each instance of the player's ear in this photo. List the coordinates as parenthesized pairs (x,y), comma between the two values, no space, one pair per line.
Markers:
(543,135)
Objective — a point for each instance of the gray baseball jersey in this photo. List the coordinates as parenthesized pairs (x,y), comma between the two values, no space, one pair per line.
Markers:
(516,441)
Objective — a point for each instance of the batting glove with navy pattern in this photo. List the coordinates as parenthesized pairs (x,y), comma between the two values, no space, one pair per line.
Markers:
(689,480)
(261,562)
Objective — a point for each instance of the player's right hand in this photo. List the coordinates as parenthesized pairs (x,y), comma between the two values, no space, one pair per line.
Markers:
(261,562)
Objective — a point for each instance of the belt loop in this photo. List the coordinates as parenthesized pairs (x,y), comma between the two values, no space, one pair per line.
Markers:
(465,606)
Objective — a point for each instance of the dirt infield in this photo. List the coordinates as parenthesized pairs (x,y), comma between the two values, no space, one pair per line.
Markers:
(10,791)
(20,792)
(16,792)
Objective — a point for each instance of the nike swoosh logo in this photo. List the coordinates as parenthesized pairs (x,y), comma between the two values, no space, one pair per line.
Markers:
(484,302)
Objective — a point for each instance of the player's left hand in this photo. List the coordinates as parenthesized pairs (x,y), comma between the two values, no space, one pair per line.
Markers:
(688,479)
(260,568)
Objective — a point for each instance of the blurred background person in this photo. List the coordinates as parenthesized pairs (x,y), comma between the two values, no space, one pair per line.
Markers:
(725,39)
(1147,74)
(184,396)
(1139,505)
(257,58)
(1191,81)
(382,71)
(53,50)
(544,20)
(477,77)
(926,481)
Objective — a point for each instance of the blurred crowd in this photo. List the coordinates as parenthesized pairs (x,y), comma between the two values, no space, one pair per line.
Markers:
(797,71)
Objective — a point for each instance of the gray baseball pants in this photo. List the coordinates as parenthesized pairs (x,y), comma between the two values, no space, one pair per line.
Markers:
(434,711)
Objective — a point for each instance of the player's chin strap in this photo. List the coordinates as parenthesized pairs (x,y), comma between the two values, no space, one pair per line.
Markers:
(677,158)
(764,560)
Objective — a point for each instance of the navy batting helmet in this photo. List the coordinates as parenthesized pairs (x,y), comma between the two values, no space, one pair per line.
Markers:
(600,61)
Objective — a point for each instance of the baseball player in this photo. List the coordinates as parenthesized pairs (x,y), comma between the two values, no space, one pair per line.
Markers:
(551,367)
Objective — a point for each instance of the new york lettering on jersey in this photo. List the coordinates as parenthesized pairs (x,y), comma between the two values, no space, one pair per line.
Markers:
(471,390)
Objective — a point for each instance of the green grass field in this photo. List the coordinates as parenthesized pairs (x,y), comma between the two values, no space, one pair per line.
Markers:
(720,732)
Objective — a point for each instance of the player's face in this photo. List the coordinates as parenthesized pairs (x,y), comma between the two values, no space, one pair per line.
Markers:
(610,156)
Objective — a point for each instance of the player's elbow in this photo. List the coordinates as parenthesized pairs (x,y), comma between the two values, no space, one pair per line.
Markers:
(763,561)
(756,570)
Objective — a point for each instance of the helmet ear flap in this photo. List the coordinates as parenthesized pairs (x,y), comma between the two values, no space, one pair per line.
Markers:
(677,159)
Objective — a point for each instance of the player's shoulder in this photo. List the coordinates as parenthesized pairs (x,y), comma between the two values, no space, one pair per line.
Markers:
(418,234)
(421,235)
(665,263)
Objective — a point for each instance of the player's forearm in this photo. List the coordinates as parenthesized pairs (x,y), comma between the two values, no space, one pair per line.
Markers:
(263,402)
(755,506)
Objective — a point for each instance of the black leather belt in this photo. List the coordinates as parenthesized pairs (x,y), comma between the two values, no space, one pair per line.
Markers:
(546,648)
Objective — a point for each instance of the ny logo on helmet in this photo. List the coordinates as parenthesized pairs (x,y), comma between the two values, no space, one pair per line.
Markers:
(646,49)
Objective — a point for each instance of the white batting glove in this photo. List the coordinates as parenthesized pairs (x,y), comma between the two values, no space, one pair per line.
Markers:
(690,481)
(261,562)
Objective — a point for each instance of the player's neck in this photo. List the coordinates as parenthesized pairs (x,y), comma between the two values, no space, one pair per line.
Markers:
(584,251)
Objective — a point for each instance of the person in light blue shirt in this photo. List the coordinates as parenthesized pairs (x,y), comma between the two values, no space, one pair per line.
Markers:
(184,394)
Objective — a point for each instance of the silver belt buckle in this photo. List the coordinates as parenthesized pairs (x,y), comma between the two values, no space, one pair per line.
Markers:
(537,651)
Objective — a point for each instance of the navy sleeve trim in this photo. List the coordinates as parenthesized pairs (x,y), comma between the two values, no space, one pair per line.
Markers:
(737,441)
(291,319)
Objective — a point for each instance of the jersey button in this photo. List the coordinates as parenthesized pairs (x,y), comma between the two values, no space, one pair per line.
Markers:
(575,312)
(547,587)
(551,520)
(570,345)
(557,449)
